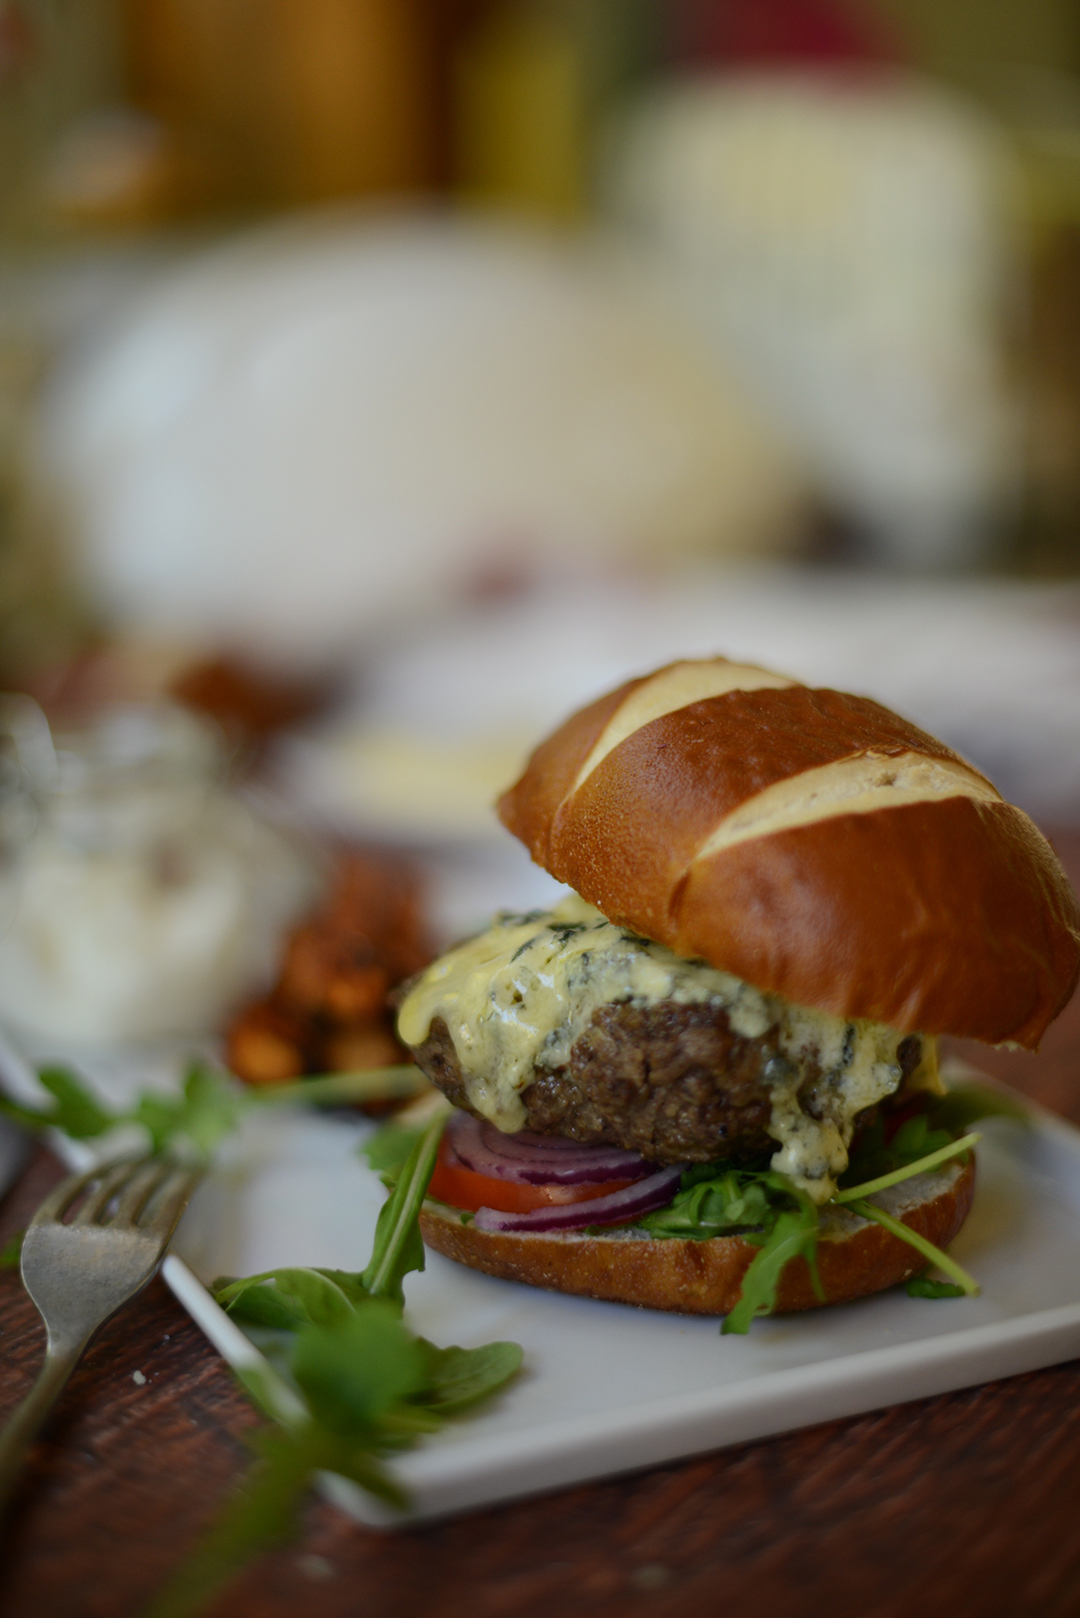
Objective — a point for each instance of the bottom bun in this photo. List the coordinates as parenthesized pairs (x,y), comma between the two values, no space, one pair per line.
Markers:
(855,1256)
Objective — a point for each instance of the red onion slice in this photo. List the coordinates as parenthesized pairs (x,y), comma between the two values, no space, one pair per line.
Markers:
(528,1145)
(528,1159)
(616,1209)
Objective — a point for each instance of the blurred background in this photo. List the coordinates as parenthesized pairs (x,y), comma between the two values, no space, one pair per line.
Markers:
(381,379)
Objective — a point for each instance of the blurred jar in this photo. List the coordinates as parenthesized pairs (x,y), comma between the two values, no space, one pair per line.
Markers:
(142,897)
(847,244)
(289,101)
(533,78)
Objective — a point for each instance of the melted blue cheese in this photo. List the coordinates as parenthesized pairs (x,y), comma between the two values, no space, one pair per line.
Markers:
(518,996)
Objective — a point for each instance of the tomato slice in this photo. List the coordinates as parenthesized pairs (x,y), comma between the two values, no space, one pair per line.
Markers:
(464,1188)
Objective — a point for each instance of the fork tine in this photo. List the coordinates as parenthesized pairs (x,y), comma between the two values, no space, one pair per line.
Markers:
(138,1191)
(111,1182)
(60,1199)
(62,1196)
(168,1200)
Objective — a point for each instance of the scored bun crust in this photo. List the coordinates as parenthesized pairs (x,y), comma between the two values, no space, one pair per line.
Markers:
(813,844)
(855,1257)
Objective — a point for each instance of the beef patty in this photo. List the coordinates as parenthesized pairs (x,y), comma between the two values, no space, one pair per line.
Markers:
(670,1081)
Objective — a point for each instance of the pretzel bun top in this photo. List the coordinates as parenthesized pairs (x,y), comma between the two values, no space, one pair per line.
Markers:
(812,843)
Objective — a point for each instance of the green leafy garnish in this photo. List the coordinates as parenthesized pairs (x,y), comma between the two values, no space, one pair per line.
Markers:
(11,1252)
(398,1244)
(74,1109)
(353,1370)
(793,1234)
(965,1104)
(397,1083)
(387,1151)
(934,1255)
(764,1207)
(873,1156)
(209,1107)
(289,1299)
(921,1165)
(369,1386)
(710,1203)
(940,1120)
(192,1123)
(199,1118)
(923,1285)
(458,1378)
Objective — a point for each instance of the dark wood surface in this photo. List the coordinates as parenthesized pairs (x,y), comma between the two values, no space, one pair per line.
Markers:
(964,1504)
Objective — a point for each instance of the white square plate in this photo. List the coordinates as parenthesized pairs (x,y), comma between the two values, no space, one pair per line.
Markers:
(606,1388)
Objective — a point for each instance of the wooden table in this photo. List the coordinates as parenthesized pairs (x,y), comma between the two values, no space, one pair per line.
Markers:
(964,1504)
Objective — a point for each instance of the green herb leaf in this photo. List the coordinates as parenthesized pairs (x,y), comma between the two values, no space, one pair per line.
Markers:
(11,1252)
(352,1372)
(370,1386)
(261,1514)
(738,1200)
(965,1104)
(922,1165)
(388,1150)
(923,1285)
(78,1113)
(261,1304)
(794,1235)
(940,1119)
(873,1156)
(343,1089)
(208,1109)
(74,1108)
(290,1298)
(458,1378)
(398,1244)
(896,1227)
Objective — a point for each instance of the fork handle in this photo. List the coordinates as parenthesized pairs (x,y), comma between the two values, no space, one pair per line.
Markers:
(25,1423)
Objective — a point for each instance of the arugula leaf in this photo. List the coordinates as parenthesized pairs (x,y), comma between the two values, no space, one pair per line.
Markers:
(75,1109)
(401,1082)
(793,1235)
(399,1247)
(458,1378)
(208,1109)
(11,1252)
(388,1150)
(896,1227)
(260,1515)
(738,1200)
(923,1285)
(941,1119)
(874,1156)
(78,1113)
(921,1165)
(258,1303)
(964,1105)
(353,1371)
(210,1106)
(369,1385)
(290,1298)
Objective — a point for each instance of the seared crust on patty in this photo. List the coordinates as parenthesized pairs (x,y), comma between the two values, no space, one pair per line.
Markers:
(670,1081)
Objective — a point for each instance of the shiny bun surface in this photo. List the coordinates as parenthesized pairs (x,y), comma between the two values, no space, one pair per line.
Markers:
(810,842)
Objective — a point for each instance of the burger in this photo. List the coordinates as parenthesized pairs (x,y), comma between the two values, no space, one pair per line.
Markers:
(707,1081)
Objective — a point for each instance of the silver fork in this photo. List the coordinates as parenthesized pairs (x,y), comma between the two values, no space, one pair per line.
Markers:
(80,1273)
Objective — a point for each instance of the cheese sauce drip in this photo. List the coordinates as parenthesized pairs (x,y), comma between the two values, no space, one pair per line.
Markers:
(518,996)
